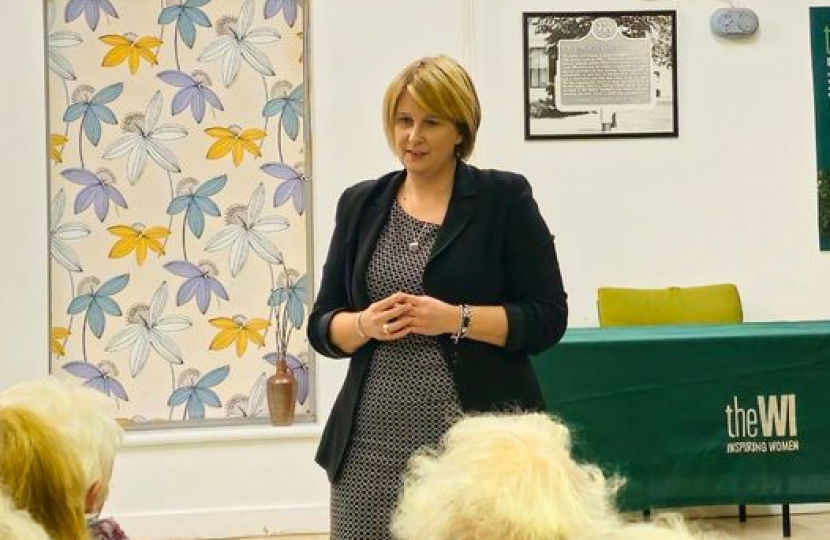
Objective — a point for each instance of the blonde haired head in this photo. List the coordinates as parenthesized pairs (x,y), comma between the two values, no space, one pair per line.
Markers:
(440,85)
(82,416)
(512,477)
(39,472)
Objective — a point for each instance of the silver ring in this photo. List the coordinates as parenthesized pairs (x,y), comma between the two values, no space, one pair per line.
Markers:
(385,328)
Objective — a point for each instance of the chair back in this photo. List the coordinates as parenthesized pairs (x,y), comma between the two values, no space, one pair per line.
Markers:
(707,304)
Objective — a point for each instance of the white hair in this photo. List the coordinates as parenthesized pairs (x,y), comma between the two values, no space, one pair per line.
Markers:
(82,415)
(666,526)
(512,477)
(16,524)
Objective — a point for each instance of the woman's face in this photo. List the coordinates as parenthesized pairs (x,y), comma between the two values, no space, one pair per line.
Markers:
(424,143)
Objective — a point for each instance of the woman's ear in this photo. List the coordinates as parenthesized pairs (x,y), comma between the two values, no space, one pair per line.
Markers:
(93,498)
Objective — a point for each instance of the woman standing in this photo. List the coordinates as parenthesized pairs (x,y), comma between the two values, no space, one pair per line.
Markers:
(440,280)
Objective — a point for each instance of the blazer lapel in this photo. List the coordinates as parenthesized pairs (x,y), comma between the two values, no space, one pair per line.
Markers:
(371,222)
(460,209)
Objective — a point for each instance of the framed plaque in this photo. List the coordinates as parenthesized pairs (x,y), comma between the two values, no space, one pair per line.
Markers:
(600,74)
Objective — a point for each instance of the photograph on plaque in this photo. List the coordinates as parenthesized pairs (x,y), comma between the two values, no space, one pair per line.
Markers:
(600,74)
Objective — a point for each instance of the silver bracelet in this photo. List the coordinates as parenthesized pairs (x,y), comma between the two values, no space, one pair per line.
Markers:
(464,323)
(357,326)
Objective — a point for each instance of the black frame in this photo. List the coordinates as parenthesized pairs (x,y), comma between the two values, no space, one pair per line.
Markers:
(670,55)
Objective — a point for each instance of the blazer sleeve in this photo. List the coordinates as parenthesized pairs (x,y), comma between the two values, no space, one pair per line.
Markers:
(537,309)
(332,297)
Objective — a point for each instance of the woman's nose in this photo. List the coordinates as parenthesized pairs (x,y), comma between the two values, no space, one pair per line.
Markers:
(415,134)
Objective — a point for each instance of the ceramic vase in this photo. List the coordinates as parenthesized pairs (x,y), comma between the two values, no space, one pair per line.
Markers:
(281,388)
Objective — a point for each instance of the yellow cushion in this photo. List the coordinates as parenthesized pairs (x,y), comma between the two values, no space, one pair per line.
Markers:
(674,305)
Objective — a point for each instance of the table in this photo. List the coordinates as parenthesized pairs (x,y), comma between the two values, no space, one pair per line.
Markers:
(698,414)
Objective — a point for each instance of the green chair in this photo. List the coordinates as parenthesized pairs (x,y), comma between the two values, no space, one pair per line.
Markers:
(707,304)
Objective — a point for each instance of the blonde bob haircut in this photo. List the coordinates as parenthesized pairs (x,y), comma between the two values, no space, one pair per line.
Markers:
(82,415)
(439,85)
(39,473)
(512,477)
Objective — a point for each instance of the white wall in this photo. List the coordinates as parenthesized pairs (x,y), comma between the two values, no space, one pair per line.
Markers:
(24,229)
(732,199)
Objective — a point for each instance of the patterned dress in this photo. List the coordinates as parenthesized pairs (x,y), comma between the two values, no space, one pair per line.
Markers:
(408,399)
(104,528)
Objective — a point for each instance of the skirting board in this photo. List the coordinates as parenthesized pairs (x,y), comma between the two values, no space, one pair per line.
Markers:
(730,510)
(227,522)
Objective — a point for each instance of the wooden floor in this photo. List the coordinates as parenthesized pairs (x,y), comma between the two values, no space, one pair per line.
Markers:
(804,527)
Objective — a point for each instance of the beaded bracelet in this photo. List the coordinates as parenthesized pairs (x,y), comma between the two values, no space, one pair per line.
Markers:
(464,323)
(357,326)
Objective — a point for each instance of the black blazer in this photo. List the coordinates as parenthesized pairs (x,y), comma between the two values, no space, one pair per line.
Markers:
(492,249)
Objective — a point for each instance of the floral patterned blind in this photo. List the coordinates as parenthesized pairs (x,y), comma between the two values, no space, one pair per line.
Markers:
(179,204)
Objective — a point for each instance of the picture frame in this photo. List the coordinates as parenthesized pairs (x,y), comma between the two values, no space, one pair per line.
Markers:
(600,74)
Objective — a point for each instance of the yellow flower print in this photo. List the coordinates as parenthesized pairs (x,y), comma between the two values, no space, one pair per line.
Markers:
(57,338)
(234,139)
(130,47)
(56,142)
(137,238)
(238,329)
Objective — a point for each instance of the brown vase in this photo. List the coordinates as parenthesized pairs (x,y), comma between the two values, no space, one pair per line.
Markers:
(282,395)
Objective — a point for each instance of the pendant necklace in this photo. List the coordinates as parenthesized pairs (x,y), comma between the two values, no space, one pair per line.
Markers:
(415,244)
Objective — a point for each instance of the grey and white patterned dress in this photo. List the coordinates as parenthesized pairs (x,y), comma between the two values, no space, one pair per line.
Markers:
(408,399)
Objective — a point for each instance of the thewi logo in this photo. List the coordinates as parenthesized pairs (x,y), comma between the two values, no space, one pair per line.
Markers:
(769,425)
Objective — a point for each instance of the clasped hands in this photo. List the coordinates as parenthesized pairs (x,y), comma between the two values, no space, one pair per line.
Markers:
(401,314)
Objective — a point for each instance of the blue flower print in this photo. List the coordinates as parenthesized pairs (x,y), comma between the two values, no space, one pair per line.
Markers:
(194,92)
(289,107)
(97,302)
(292,186)
(187,16)
(197,395)
(198,203)
(288,7)
(294,294)
(91,10)
(98,377)
(93,111)
(198,283)
(97,192)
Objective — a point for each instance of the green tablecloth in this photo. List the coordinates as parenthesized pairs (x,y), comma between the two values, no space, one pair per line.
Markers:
(698,414)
